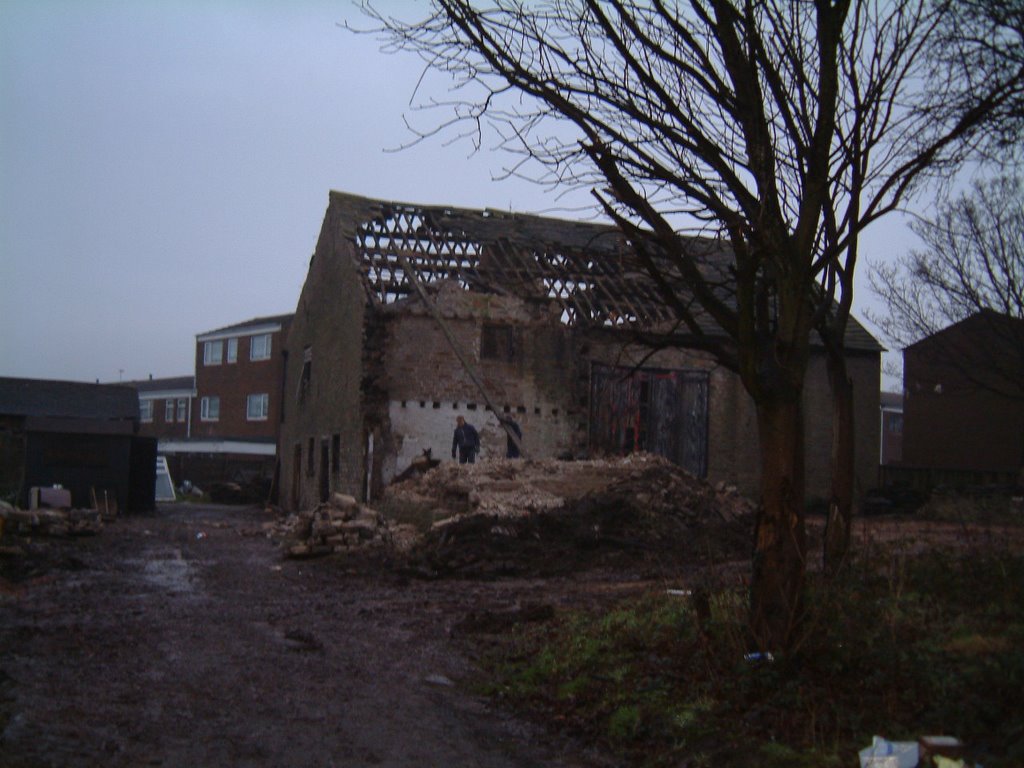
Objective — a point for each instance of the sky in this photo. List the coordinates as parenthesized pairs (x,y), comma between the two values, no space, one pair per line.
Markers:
(165,168)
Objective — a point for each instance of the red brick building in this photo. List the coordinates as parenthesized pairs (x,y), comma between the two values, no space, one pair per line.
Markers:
(239,373)
(231,408)
(964,389)
(165,406)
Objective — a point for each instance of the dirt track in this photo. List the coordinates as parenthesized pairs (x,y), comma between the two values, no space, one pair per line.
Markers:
(181,638)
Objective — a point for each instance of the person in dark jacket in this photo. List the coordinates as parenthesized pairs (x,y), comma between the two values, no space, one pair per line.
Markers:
(511,449)
(465,441)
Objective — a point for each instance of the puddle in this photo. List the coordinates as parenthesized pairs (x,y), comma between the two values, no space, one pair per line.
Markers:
(170,573)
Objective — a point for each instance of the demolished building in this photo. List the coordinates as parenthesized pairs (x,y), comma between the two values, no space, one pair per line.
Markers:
(412,315)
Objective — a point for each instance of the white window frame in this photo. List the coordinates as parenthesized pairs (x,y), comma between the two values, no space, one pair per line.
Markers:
(146,410)
(257,407)
(232,350)
(209,408)
(169,411)
(265,353)
(182,410)
(213,352)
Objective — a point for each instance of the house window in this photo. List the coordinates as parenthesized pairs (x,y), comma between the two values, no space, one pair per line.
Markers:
(232,350)
(168,411)
(310,466)
(335,453)
(146,410)
(895,423)
(259,347)
(182,409)
(209,408)
(257,407)
(498,342)
(213,352)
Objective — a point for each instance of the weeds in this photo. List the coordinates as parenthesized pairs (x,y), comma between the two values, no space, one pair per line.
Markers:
(915,645)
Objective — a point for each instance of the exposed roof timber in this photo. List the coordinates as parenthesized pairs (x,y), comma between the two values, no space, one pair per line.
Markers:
(587,269)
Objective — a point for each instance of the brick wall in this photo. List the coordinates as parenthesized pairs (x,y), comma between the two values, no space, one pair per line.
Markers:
(159,426)
(233,383)
(531,379)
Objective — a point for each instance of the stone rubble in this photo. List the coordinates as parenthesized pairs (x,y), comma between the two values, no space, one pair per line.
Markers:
(649,496)
(50,522)
(340,524)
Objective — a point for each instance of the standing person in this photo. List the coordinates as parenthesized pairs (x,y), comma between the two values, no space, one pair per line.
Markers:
(466,441)
(511,447)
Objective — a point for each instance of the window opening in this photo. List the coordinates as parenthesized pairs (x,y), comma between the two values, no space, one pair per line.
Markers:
(209,408)
(259,347)
(213,352)
(257,407)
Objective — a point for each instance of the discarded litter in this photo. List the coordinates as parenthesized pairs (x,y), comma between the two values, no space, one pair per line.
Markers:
(201,535)
(766,656)
(438,680)
(889,754)
(679,592)
(949,748)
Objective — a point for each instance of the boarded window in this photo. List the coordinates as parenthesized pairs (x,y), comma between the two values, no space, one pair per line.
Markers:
(336,453)
(498,342)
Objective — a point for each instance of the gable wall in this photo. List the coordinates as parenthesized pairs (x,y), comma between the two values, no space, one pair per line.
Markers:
(329,319)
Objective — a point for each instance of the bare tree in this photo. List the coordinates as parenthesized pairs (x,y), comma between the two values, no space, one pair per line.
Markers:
(971,263)
(783,127)
(981,42)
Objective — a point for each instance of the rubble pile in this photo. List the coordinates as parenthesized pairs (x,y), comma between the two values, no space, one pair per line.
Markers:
(509,488)
(506,516)
(340,524)
(551,516)
(50,522)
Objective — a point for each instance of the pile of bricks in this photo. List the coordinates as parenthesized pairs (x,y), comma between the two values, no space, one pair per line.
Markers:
(340,524)
(50,522)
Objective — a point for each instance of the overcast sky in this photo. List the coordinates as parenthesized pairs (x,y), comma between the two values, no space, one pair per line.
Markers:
(165,167)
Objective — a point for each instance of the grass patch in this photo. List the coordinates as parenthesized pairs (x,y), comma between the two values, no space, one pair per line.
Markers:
(901,647)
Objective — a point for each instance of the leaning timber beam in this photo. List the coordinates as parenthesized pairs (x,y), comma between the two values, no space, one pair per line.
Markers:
(463,359)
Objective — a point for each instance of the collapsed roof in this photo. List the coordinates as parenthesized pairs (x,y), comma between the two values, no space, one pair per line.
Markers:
(587,269)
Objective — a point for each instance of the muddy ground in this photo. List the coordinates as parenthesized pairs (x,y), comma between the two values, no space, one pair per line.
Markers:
(184,637)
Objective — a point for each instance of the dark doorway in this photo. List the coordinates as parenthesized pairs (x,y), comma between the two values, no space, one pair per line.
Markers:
(658,411)
(325,466)
(296,475)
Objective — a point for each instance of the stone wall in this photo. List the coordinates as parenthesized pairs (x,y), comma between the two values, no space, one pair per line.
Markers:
(322,398)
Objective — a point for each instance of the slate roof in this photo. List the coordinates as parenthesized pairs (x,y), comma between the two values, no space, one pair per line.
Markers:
(67,399)
(163,385)
(587,268)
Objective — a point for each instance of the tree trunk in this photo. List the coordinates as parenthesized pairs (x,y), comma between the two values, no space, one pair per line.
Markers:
(840,508)
(780,550)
